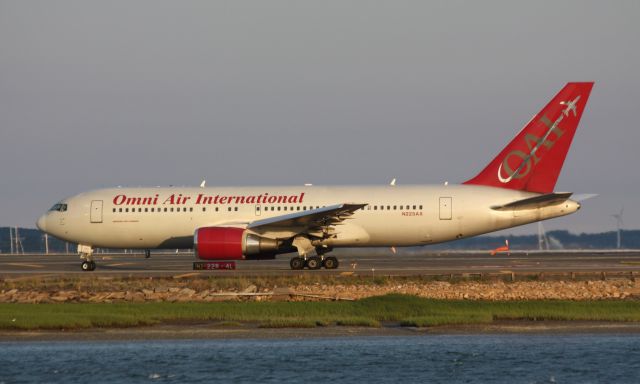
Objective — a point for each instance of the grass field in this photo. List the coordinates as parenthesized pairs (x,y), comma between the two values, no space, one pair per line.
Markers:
(372,312)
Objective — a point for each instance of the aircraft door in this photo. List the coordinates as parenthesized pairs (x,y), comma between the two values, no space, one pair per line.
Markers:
(95,215)
(258,210)
(445,208)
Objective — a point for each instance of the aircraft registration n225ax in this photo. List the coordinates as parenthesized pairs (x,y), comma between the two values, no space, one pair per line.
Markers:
(515,188)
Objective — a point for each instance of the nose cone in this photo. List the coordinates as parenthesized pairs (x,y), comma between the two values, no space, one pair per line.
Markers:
(42,223)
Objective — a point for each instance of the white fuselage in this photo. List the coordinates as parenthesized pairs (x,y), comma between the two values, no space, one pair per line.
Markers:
(150,218)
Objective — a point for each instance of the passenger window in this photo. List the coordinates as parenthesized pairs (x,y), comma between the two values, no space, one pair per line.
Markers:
(382,207)
(216,209)
(120,209)
(421,207)
(278,208)
(414,207)
(165,209)
(126,209)
(235,209)
(375,207)
(190,209)
(171,209)
(297,208)
(229,209)
(114,209)
(395,207)
(146,209)
(285,208)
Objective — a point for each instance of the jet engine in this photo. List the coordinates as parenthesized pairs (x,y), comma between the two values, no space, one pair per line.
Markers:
(227,243)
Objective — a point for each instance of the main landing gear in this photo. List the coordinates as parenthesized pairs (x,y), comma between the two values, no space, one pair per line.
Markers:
(314,262)
(310,256)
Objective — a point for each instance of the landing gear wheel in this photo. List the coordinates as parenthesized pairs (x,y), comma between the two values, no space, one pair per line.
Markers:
(330,262)
(314,263)
(297,263)
(88,265)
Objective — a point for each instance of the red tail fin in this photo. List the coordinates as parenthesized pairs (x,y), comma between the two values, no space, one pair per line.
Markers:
(533,159)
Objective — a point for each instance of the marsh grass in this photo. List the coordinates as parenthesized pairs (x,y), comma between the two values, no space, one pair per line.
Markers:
(371,312)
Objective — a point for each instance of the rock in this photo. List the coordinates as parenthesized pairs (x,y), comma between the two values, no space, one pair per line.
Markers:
(187,292)
(137,297)
(98,297)
(250,289)
(59,298)
(154,297)
(116,295)
(41,297)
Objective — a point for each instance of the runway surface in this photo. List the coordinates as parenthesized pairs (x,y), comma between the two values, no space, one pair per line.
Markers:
(361,262)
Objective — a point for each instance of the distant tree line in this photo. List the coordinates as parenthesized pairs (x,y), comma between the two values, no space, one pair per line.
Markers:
(33,241)
(561,239)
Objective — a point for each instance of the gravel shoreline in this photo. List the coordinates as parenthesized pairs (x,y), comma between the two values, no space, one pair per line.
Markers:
(166,290)
(208,331)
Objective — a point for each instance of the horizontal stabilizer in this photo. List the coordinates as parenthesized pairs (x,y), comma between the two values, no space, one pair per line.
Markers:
(584,196)
(534,202)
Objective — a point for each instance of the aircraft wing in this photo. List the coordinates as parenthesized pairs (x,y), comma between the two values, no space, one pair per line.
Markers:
(315,222)
(539,201)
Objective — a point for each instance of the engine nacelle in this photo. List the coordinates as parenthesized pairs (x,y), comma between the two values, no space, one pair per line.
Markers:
(227,243)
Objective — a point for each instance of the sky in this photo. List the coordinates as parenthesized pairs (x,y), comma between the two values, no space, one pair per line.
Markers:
(142,93)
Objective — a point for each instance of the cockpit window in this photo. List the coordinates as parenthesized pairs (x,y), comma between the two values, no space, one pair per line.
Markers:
(59,207)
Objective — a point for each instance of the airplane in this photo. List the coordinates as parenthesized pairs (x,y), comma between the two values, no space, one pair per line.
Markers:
(243,223)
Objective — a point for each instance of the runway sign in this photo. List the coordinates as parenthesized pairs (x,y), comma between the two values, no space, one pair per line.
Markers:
(213,265)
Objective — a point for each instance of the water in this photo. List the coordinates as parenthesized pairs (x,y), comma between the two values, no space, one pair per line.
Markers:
(413,359)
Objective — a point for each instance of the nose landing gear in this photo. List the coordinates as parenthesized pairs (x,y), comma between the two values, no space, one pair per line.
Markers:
(88,265)
(86,255)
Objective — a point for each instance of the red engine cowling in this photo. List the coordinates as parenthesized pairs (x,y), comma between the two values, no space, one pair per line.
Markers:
(227,243)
